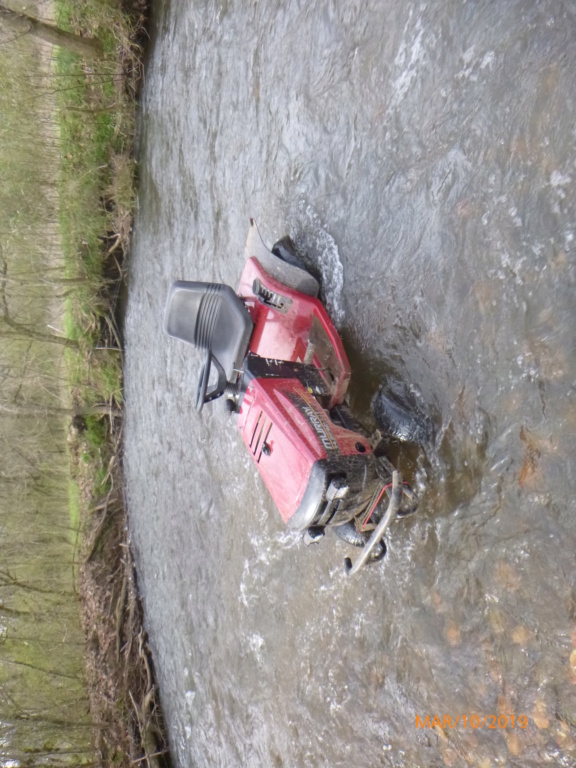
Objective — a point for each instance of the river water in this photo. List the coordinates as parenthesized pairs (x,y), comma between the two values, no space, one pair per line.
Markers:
(424,155)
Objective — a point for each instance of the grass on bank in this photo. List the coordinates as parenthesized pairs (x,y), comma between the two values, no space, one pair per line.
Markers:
(96,113)
(97,194)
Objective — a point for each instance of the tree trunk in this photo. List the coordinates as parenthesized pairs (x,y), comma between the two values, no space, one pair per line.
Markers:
(17,329)
(26,332)
(22,23)
(39,411)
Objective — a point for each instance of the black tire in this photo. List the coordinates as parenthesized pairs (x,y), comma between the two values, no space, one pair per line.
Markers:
(351,535)
(286,250)
(399,416)
(409,503)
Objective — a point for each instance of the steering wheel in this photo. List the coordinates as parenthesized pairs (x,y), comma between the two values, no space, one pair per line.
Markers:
(202,393)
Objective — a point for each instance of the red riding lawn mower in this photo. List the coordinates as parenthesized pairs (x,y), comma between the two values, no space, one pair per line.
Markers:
(275,356)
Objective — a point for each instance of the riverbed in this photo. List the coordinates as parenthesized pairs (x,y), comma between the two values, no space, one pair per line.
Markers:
(424,157)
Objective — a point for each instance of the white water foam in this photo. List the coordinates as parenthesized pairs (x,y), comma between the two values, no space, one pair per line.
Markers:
(409,60)
(326,251)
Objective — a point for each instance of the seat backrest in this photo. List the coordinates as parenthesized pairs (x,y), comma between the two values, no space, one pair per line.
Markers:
(210,316)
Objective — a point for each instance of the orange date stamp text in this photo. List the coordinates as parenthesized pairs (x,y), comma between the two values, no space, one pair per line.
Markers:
(474,721)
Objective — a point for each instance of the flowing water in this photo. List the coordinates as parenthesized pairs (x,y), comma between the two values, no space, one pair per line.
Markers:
(424,155)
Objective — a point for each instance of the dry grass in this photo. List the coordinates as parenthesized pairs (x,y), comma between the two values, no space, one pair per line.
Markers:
(124,704)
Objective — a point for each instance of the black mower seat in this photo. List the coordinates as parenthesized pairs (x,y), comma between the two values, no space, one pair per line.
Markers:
(210,316)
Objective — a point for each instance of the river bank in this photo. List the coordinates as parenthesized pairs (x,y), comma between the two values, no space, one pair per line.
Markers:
(97,117)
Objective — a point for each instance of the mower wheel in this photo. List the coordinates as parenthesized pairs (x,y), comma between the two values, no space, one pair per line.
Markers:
(286,250)
(398,415)
(409,503)
(375,557)
(351,535)
(378,553)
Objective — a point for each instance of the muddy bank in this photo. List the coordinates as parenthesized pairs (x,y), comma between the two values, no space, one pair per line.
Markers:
(120,677)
